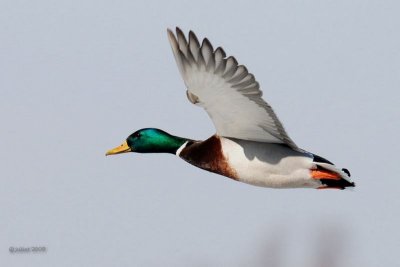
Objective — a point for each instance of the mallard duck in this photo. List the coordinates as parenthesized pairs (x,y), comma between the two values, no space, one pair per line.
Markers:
(250,144)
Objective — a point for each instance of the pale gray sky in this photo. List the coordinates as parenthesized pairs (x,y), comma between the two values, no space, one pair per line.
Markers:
(77,77)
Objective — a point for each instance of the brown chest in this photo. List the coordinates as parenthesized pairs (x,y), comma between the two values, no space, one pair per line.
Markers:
(208,155)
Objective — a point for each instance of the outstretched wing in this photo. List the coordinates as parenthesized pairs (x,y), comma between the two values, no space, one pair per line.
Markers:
(226,90)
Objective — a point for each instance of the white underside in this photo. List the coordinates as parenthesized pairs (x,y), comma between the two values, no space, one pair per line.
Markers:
(269,165)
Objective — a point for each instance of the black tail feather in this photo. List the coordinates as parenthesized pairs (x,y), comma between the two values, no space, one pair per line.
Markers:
(341,184)
(346,171)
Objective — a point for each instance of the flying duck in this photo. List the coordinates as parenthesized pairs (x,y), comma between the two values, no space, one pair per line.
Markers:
(250,144)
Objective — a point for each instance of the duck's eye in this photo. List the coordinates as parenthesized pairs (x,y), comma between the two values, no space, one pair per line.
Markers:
(137,135)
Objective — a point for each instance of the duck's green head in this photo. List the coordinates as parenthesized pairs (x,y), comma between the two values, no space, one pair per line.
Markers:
(149,140)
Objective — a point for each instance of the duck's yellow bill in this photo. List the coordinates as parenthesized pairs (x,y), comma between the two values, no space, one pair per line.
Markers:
(124,148)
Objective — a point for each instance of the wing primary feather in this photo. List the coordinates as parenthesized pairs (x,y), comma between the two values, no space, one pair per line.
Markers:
(173,41)
(190,57)
(239,75)
(201,62)
(251,91)
(194,45)
(231,66)
(221,67)
(185,62)
(219,55)
(211,64)
(248,80)
(221,51)
(207,52)
(182,41)
(253,86)
(175,50)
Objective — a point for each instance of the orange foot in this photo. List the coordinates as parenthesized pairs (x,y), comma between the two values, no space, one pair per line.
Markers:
(323,174)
